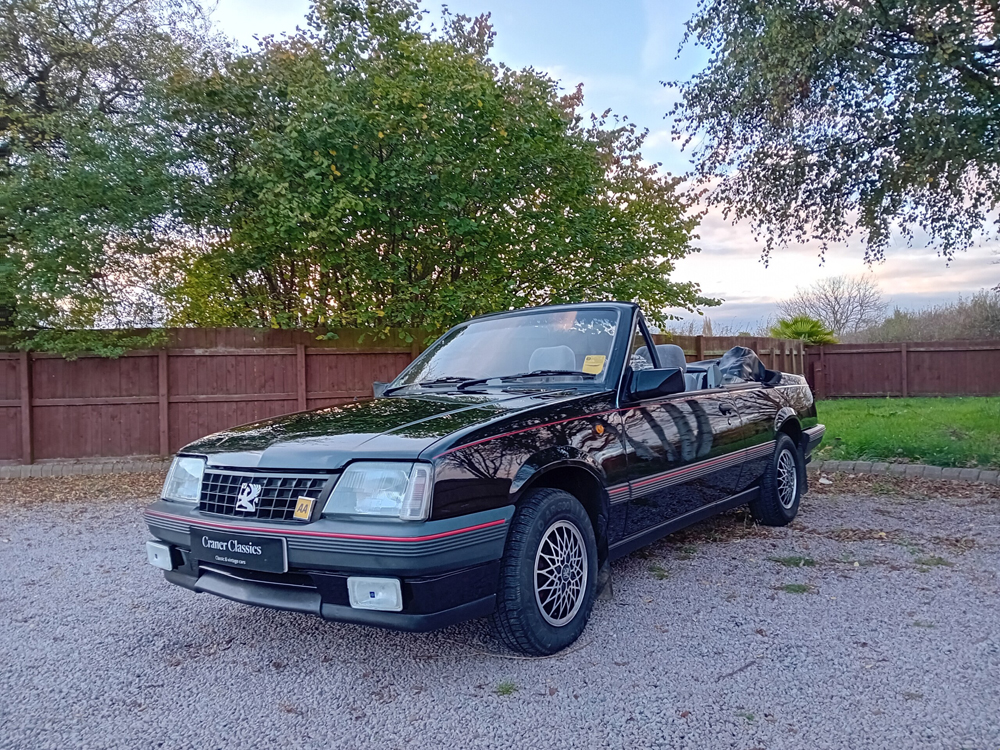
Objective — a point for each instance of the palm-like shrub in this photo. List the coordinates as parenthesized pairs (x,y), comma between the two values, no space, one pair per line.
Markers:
(804,328)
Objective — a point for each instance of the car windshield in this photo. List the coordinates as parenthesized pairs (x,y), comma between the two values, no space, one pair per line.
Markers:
(572,346)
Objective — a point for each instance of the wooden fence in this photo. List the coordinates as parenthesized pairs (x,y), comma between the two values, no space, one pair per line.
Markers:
(938,368)
(153,402)
(776,354)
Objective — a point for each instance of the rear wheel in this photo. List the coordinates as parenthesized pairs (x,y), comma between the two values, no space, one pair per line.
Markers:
(781,486)
(548,575)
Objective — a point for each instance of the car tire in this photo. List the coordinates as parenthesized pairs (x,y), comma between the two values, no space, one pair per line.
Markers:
(548,575)
(781,486)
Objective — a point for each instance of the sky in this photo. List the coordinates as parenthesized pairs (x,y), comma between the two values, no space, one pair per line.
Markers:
(621,51)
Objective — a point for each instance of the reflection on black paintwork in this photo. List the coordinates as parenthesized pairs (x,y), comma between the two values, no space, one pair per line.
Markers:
(670,435)
(423,417)
(561,434)
(760,407)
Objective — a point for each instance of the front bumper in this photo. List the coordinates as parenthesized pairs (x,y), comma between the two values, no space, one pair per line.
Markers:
(448,570)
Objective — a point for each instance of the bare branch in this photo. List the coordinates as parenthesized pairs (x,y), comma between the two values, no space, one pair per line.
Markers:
(845,304)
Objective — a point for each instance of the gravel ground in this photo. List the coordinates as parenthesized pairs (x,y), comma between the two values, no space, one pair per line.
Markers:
(870,623)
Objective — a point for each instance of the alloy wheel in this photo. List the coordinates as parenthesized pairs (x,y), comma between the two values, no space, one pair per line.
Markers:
(788,479)
(560,573)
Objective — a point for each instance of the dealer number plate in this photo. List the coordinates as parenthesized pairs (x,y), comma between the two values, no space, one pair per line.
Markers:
(267,554)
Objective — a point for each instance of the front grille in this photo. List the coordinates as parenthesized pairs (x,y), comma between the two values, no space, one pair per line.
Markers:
(274,501)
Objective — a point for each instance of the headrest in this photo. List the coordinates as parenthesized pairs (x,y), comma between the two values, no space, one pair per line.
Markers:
(670,355)
(552,358)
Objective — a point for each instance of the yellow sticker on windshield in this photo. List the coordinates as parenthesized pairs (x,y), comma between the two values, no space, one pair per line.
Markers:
(593,363)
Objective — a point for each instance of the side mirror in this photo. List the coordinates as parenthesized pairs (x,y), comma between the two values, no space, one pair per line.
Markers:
(655,383)
(378,388)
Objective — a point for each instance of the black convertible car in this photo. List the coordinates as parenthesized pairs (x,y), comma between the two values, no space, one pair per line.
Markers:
(497,476)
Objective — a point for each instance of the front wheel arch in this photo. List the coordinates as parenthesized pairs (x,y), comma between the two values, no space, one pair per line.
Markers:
(580,481)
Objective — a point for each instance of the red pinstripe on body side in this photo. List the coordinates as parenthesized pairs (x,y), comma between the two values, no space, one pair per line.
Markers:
(324,534)
(691,467)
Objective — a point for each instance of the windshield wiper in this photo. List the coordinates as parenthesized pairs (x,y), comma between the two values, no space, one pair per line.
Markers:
(429,383)
(533,374)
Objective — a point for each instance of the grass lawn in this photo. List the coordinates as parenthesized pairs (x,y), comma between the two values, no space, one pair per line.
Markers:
(955,431)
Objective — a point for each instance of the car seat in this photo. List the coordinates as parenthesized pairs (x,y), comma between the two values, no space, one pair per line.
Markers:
(704,375)
(670,355)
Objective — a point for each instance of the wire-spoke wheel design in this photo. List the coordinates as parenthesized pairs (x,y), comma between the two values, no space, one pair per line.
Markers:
(560,573)
(548,574)
(781,484)
(788,479)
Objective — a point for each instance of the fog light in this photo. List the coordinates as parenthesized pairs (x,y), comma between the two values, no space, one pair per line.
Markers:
(158,555)
(375,593)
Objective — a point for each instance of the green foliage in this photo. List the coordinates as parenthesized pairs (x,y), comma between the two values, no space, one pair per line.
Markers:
(794,561)
(363,173)
(87,161)
(797,588)
(844,304)
(659,572)
(976,317)
(803,328)
(959,432)
(360,174)
(507,687)
(104,343)
(825,116)
(933,561)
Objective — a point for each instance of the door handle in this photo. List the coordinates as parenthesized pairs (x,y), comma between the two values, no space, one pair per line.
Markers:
(726,409)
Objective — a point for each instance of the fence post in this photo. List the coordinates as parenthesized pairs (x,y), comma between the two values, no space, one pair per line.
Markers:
(822,381)
(300,376)
(758,346)
(904,369)
(699,348)
(27,444)
(164,401)
(818,384)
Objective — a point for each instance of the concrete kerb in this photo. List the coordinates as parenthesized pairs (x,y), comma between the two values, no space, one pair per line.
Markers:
(923,471)
(137,465)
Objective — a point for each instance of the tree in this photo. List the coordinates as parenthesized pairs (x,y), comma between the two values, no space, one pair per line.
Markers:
(88,159)
(803,328)
(823,117)
(976,317)
(364,173)
(844,304)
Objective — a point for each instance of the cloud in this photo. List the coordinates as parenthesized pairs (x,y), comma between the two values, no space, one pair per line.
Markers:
(660,32)
(661,138)
(729,267)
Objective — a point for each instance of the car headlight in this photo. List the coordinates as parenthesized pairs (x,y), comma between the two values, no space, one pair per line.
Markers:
(383,488)
(183,483)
